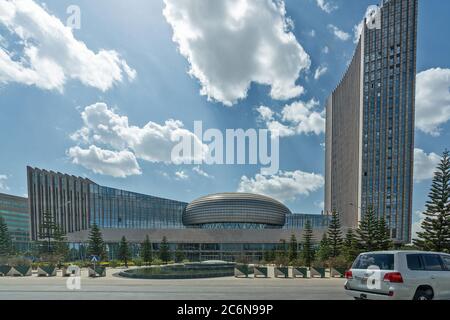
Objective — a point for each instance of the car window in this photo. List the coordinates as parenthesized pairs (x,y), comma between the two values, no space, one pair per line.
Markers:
(432,262)
(414,262)
(446,260)
(382,261)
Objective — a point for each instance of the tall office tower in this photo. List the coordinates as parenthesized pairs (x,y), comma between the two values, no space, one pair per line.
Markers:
(370,123)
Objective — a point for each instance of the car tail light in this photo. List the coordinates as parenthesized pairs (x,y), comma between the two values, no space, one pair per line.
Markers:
(394,277)
(349,274)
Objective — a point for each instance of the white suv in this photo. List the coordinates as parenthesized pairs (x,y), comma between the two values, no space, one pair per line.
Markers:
(399,275)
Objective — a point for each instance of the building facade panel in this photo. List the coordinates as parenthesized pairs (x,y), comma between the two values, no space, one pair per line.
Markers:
(64,196)
(221,226)
(342,144)
(14,211)
(387,50)
(234,210)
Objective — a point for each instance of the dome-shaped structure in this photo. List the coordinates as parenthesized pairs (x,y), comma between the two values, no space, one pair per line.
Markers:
(235,211)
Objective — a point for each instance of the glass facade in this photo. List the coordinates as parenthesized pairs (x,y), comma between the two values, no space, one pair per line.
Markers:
(252,252)
(236,226)
(298,221)
(204,229)
(113,208)
(77,203)
(370,123)
(388,115)
(16,214)
(235,210)
(64,196)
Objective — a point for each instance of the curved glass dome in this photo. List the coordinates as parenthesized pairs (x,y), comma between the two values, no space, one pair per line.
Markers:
(235,211)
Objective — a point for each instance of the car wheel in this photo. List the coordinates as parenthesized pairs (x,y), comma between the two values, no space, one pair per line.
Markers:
(423,295)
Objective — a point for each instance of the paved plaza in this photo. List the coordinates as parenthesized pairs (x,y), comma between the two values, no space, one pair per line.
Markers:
(114,287)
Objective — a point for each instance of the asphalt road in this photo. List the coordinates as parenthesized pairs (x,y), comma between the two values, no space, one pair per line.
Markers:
(112,287)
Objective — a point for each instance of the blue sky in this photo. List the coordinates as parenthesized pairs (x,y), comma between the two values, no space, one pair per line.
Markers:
(151,84)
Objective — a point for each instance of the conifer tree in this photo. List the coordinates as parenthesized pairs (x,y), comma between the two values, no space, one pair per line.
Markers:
(5,239)
(124,251)
(435,234)
(164,251)
(308,248)
(335,235)
(61,248)
(96,245)
(47,230)
(367,231)
(383,238)
(324,252)
(350,248)
(179,255)
(146,251)
(293,248)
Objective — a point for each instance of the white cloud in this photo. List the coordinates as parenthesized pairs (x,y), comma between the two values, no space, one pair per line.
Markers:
(338,33)
(152,142)
(417,224)
(357,30)
(256,45)
(119,164)
(371,12)
(3,184)
(432,100)
(202,173)
(425,165)
(51,55)
(284,186)
(181,175)
(326,6)
(304,117)
(319,204)
(320,71)
(296,118)
(265,113)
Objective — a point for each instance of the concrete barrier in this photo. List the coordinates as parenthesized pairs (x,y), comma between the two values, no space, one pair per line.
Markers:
(317,272)
(299,272)
(4,270)
(46,271)
(337,272)
(281,272)
(241,271)
(97,272)
(260,272)
(20,271)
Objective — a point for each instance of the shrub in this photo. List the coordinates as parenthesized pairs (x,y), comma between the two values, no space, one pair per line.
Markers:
(19,261)
(281,261)
(319,264)
(297,263)
(114,263)
(157,262)
(138,262)
(339,262)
